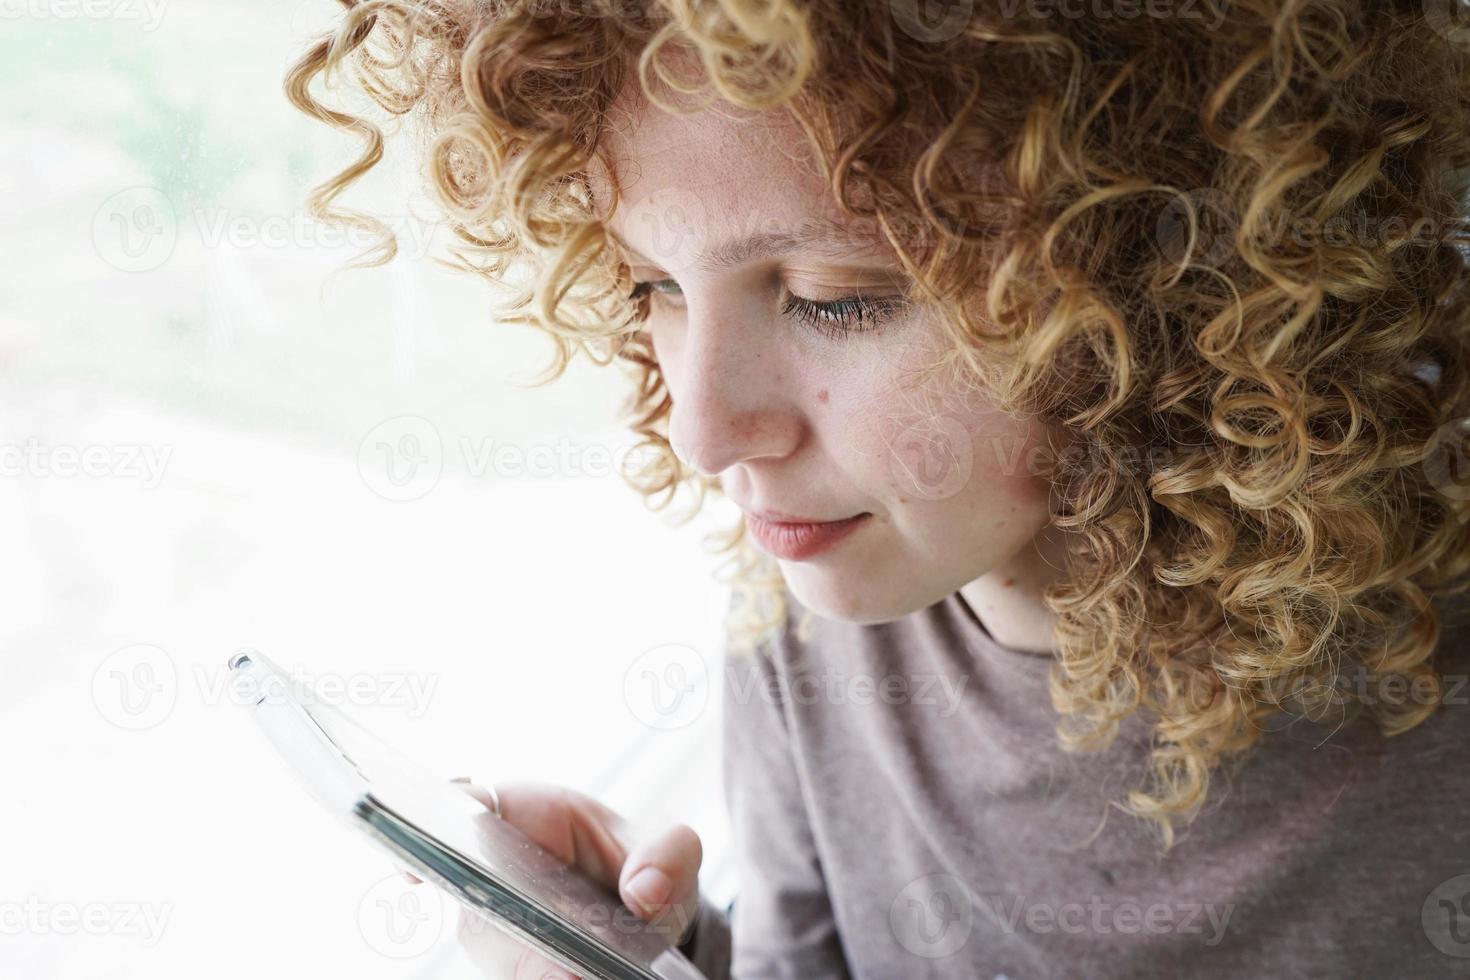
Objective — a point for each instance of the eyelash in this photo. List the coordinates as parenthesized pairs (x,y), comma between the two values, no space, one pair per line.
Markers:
(833,318)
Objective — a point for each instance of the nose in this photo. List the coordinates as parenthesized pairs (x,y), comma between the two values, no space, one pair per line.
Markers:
(731,386)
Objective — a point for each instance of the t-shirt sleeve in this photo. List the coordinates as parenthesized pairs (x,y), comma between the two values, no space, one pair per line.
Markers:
(708,948)
(780,924)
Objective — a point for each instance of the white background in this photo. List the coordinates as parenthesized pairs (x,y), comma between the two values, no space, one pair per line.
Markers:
(168,315)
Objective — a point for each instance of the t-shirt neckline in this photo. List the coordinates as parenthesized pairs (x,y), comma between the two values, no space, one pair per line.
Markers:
(980,637)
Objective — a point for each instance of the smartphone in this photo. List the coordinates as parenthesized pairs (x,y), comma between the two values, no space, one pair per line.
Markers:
(450,839)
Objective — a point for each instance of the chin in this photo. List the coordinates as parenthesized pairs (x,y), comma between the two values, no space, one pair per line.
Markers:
(863,600)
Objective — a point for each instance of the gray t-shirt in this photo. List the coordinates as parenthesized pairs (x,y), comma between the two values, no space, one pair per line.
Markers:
(901,808)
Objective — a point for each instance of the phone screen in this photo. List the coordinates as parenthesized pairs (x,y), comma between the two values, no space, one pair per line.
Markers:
(458,844)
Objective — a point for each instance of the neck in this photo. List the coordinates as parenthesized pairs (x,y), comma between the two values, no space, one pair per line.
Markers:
(1007,599)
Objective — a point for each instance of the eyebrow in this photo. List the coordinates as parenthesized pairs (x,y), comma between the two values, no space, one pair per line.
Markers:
(737,251)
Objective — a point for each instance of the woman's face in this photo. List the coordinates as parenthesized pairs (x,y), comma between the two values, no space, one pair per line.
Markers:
(813,412)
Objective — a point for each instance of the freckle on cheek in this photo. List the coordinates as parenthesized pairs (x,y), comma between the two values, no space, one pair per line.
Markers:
(822,396)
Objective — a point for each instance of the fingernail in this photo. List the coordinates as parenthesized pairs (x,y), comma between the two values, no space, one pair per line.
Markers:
(651,888)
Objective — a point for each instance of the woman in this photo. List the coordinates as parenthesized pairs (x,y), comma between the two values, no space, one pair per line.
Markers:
(1090,382)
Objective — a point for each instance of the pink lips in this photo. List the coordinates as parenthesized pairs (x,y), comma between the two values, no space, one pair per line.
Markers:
(798,540)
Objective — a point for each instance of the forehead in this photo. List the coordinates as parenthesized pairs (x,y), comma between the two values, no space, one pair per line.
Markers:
(719,173)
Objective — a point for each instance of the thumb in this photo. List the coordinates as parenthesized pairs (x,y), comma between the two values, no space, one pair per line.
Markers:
(660,879)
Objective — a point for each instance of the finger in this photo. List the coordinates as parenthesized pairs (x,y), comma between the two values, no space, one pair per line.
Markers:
(660,880)
(497,954)
(533,966)
(486,797)
(577,829)
(408,875)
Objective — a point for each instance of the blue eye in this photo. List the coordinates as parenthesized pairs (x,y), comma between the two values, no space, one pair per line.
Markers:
(840,317)
(666,286)
(833,318)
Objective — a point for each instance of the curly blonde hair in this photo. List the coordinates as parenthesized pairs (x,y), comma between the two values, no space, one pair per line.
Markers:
(1225,252)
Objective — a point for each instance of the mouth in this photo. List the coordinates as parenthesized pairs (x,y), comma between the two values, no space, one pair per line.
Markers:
(797,539)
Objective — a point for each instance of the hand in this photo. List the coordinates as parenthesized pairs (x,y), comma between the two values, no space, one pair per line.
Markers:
(658,878)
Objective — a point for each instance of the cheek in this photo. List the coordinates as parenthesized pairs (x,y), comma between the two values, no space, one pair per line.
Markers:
(952,451)
(665,349)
